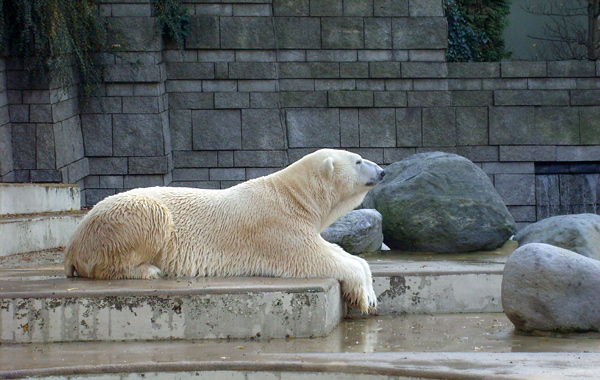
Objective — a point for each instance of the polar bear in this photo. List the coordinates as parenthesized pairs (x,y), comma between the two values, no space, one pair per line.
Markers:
(269,226)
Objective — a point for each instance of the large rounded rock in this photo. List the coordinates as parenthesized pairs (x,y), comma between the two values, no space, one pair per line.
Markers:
(358,231)
(578,233)
(546,288)
(440,202)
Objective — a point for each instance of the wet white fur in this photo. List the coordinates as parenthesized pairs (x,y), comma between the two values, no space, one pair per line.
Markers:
(268,226)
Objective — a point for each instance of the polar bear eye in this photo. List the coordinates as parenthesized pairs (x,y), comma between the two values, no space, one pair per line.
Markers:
(358,162)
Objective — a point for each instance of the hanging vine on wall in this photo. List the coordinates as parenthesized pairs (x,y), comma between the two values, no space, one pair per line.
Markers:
(57,39)
(172,20)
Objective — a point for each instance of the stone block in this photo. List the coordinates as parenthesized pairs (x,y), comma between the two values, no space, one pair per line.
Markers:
(91,181)
(358,8)
(259,158)
(190,70)
(68,140)
(34,96)
(313,127)
(378,33)
(291,55)
(174,86)
(93,196)
(571,69)
(326,8)
(216,129)
(111,182)
(20,175)
(384,70)
(424,70)
(585,97)
(480,153)
(119,89)
(556,126)
(531,98)
(6,156)
(589,117)
(399,84)
(219,85)
(262,129)
(419,32)
(137,181)
(523,213)
(108,165)
(523,69)
(429,99)
(258,85)
(148,165)
(229,174)
(97,134)
(376,55)
(255,56)
(370,84)
(354,70)
(251,10)
(331,55)
(303,99)
(472,98)
(264,100)
(194,174)
(46,176)
(516,189)
(252,70)
(195,159)
(334,84)
(342,33)
(291,7)
(19,113)
(465,84)
(194,100)
(390,99)
(391,155)
(225,159)
(247,33)
(508,168)
(127,73)
(504,84)
(309,70)
(350,99)
(426,8)
(409,127)
(140,104)
(103,105)
(138,135)
(390,8)
(204,33)
(512,126)
(232,100)
(473,70)
(140,33)
(551,83)
(65,110)
(430,84)
(577,153)
(425,56)
(472,125)
(377,127)
(252,173)
(45,149)
(131,10)
(40,113)
(439,127)
(215,56)
(350,136)
(528,153)
(298,32)
(588,83)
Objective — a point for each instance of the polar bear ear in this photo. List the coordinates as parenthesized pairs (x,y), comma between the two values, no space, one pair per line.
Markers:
(327,167)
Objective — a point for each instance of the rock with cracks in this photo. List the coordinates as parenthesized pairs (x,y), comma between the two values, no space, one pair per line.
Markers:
(357,232)
(440,202)
(578,233)
(547,288)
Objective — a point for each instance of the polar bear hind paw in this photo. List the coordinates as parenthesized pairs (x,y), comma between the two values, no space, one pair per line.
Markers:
(146,272)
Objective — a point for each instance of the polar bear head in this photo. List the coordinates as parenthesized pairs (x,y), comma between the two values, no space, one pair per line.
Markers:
(345,177)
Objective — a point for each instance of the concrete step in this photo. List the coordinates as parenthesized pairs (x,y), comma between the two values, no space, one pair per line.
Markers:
(62,310)
(27,198)
(460,346)
(36,232)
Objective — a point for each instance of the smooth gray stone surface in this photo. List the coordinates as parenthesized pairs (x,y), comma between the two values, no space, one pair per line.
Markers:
(359,231)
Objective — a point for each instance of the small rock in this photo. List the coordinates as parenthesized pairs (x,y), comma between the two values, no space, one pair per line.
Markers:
(357,232)
(547,288)
(440,202)
(578,233)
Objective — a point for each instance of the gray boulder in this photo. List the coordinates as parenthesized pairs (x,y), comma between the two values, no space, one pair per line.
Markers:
(358,231)
(440,202)
(546,288)
(578,233)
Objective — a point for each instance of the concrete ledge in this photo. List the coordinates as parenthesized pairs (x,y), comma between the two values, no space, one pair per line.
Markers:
(31,198)
(61,310)
(28,233)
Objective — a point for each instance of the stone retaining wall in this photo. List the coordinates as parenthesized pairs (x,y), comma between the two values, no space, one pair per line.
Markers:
(261,83)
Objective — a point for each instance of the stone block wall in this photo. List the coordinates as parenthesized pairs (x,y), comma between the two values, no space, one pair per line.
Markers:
(260,83)
(7,173)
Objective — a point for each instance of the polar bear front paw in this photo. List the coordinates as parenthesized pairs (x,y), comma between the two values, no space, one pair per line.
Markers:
(147,272)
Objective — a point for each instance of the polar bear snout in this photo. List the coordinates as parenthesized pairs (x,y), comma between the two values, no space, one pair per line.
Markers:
(376,173)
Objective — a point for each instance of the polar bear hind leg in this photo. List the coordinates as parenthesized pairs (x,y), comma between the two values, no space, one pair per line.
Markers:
(124,236)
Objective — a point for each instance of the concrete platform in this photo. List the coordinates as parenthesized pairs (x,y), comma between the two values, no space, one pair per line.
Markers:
(63,310)
(27,198)
(466,346)
(36,232)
